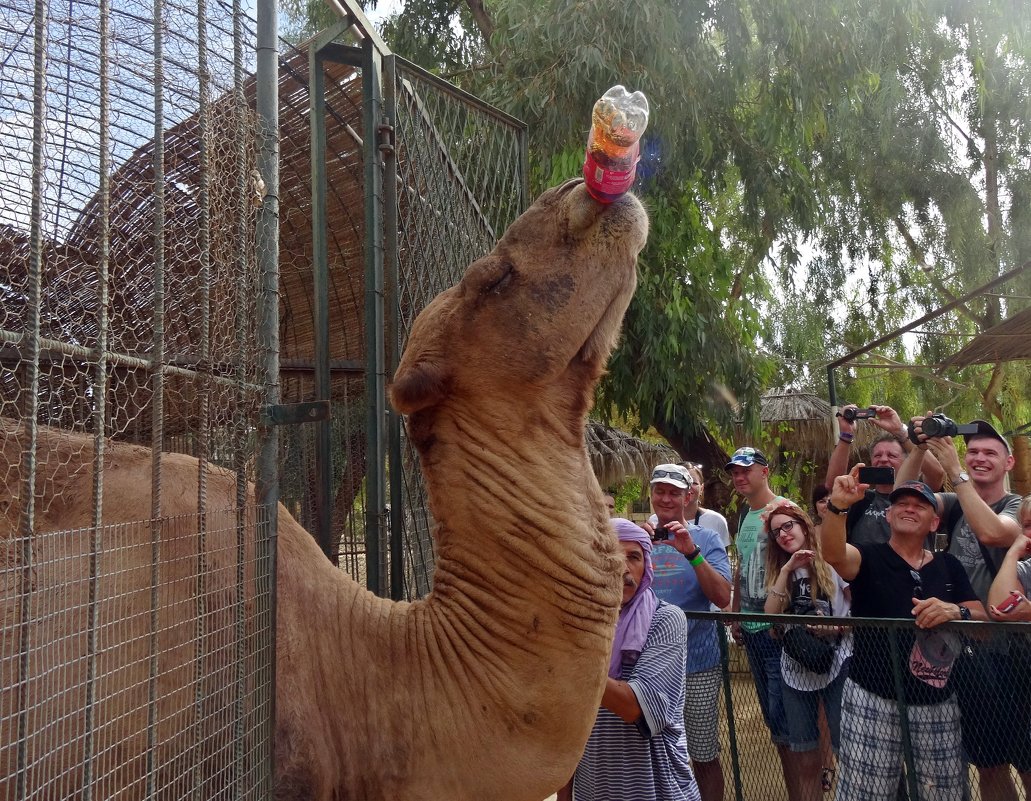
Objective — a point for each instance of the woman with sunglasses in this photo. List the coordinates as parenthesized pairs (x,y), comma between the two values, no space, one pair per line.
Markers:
(799,581)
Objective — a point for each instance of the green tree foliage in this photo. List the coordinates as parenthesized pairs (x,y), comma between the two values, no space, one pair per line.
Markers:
(817,172)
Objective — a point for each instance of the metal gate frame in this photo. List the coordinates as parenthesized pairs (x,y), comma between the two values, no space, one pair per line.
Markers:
(387,504)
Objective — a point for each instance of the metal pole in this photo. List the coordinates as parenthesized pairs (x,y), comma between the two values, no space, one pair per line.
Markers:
(387,146)
(157,401)
(375,376)
(320,289)
(266,243)
(728,695)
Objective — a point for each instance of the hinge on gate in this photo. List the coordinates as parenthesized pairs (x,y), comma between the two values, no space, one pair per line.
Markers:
(385,137)
(281,414)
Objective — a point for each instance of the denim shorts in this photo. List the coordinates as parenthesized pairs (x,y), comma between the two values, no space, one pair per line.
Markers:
(764,661)
(802,708)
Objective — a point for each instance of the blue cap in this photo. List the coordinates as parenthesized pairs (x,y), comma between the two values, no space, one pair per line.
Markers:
(915,488)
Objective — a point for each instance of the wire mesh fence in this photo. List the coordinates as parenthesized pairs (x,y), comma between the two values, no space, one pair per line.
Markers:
(461,180)
(136,635)
(923,714)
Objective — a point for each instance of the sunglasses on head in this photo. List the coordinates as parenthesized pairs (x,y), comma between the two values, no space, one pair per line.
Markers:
(746,457)
(671,474)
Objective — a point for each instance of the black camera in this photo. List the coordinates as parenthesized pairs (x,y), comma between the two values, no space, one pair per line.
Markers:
(938,425)
(661,533)
(852,414)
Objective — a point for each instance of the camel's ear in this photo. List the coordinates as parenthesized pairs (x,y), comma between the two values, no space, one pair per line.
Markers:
(418,386)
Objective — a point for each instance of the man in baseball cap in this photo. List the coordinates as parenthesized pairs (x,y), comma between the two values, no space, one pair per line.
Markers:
(980,521)
(900,579)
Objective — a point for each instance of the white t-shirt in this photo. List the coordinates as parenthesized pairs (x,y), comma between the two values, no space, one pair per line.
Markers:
(796,676)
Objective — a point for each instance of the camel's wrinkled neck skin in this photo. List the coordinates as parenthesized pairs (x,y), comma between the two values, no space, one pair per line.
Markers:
(488,688)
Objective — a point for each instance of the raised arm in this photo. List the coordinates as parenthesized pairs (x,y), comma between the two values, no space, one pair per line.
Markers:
(844,558)
(838,463)
(715,586)
(991,528)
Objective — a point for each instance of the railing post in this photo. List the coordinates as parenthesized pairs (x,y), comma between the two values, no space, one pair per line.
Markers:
(728,696)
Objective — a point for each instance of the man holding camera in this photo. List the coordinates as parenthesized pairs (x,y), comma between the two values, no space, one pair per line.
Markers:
(692,570)
(867,522)
(980,522)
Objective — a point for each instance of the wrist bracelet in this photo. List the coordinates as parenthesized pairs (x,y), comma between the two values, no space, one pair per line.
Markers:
(695,557)
(778,593)
(846,437)
(834,509)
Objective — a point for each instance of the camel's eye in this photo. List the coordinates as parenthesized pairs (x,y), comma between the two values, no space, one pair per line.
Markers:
(505,273)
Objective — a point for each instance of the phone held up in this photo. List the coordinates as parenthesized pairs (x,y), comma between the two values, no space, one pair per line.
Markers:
(876,475)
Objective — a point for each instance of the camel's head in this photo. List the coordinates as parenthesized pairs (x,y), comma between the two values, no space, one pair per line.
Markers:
(536,318)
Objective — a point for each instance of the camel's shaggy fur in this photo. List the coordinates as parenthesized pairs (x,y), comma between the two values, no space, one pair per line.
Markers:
(488,688)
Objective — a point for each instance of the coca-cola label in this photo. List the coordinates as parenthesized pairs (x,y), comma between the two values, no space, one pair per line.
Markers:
(608,182)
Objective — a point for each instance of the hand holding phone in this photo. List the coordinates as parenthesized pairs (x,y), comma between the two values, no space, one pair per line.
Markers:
(1014,600)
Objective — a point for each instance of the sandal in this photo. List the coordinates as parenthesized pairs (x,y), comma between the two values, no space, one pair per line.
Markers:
(827,779)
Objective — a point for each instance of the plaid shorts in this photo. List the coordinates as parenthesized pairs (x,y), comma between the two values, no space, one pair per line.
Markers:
(702,714)
(871,759)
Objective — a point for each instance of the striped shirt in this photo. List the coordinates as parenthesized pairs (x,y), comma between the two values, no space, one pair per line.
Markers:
(646,761)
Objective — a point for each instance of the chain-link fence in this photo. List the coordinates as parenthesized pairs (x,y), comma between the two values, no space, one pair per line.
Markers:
(461,181)
(924,714)
(135,642)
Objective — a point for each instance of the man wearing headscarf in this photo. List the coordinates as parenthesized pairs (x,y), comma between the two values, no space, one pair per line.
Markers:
(637,748)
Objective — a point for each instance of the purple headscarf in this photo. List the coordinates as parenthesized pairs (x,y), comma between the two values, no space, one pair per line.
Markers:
(635,617)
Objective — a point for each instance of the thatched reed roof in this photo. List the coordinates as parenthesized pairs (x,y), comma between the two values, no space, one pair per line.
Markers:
(1008,341)
(616,455)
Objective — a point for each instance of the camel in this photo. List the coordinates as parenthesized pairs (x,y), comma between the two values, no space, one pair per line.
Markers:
(485,689)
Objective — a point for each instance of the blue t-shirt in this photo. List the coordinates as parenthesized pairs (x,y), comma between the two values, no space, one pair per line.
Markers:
(675,582)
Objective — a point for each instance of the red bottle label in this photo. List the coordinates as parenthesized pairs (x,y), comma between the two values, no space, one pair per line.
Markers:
(605,185)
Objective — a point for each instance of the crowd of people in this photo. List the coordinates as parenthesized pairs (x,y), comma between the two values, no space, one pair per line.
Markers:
(886,711)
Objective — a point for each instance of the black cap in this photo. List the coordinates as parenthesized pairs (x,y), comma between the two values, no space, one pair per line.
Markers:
(986,429)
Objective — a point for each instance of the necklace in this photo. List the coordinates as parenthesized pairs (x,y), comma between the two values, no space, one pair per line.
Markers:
(923,556)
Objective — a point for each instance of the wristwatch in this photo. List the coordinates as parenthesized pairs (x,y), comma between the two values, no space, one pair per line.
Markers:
(964,612)
(961,478)
(835,510)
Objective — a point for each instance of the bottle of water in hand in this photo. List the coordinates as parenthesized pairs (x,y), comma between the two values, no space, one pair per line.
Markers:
(613,147)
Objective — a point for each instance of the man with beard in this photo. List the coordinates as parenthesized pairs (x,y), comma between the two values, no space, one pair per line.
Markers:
(637,748)
(866,522)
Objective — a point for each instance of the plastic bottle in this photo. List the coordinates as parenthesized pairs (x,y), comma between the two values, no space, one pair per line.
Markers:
(613,147)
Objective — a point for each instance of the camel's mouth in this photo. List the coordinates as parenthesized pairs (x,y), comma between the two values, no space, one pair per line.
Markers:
(626,222)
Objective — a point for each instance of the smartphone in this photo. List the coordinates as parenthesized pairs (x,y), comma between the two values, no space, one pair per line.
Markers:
(1014,600)
(876,475)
